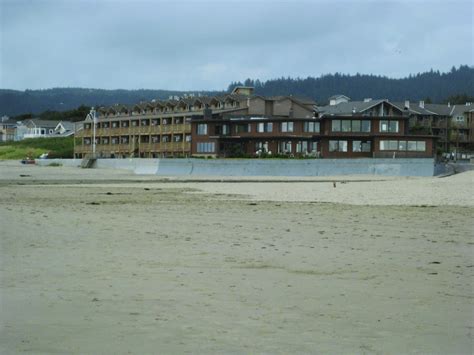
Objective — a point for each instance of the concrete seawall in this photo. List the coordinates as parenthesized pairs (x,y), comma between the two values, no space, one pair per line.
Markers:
(263,167)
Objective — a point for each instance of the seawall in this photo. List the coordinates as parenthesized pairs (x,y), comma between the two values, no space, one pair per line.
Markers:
(263,167)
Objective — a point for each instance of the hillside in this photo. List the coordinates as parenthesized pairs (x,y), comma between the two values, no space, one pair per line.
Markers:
(433,85)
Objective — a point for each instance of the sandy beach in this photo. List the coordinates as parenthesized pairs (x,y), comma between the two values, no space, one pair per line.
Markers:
(104,261)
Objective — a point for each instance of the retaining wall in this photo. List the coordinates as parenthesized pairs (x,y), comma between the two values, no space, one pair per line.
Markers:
(265,167)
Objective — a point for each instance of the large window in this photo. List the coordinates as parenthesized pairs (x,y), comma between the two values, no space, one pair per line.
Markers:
(202,129)
(242,128)
(388,126)
(206,147)
(287,126)
(337,146)
(411,146)
(285,147)
(365,126)
(306,147)
(264,127)
(361,146)
(345,126)
(350,126)
(311,127)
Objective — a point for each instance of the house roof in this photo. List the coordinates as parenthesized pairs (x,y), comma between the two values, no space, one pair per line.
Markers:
(36,122)
(335,97)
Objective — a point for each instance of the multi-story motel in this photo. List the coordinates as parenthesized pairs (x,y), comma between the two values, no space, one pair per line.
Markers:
(242,124)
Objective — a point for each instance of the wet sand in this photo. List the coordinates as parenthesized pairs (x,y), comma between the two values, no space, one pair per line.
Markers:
(109,262)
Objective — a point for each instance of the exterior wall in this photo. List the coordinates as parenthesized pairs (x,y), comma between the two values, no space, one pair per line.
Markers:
(257,106)
(302,112)
(282,107)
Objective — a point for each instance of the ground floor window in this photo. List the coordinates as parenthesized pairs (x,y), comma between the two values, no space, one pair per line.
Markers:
(261,147)
(206,147)
(306,147)
(337,146)
(361,146)
(411,146)
(284,147)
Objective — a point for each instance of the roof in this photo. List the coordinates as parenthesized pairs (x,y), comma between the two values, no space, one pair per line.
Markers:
(335,97)
(42,123)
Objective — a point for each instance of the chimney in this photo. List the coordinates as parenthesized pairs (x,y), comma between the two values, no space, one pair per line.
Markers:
(449,104)
(368,99)
(407,104)
(422,104)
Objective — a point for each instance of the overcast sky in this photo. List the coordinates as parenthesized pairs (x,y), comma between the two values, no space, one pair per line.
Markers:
(204,45)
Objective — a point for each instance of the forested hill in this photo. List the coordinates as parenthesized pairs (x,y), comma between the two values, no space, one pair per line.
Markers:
(13,102)
(433,85)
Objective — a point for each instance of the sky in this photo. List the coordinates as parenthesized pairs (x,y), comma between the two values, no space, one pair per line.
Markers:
(207,44)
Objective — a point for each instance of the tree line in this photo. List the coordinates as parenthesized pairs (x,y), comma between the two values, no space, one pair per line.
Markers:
(455,86)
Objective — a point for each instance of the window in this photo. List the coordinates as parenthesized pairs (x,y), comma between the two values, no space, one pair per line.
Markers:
(166,138)
(155,122)
(388,126)
(242,128)
(311,127)
(361,146)
(336,126)
(188,138)
(460,118)
(306,147)
(365,126)
(206,147)
(264,127)
(261,147)
(285,147)
(202,129)
(287,126)
(356,126)
(393,126)
(421,146)
(411,146)
(345,126)
(155,139)
(115,140)
(114,124)
(225,129)
(177,138)
(338,146)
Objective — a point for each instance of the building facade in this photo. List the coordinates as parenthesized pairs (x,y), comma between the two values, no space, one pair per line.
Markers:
(245,125)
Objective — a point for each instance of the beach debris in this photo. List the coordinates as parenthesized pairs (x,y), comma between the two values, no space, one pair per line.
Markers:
(252,204)
(93,203)
(435,262)
(334,184)
(24,175)
(95,299)
(146,189)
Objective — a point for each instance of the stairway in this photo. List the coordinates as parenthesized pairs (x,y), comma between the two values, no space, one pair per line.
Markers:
(88,162)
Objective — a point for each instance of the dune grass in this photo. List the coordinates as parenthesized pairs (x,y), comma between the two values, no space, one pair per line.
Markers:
(57,147)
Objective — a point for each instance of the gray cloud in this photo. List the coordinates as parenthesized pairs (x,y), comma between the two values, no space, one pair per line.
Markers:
(192,45)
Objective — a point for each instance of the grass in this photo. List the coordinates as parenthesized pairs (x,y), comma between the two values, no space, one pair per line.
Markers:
(57,147)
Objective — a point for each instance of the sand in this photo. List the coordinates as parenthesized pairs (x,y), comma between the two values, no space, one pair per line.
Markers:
(104,261)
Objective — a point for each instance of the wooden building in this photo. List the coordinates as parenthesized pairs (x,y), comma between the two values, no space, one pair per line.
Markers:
(245,125)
